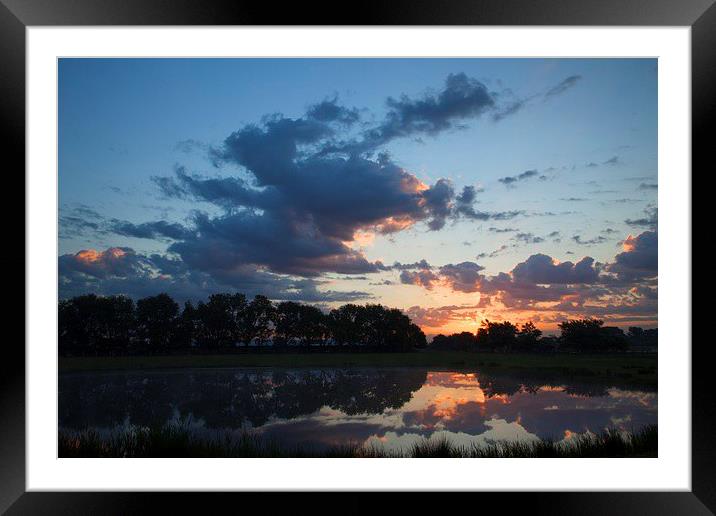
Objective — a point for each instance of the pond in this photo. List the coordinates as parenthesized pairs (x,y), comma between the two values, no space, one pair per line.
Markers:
(321,408)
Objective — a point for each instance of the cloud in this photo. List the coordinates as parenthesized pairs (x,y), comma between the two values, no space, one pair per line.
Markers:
(438,200)
(648,186)
(422,264)
(124,271)
(78,220)
(305,188)
(622,290)
(542,269)
(423,278)
(514,105)
(639,258)
(614,160)
(190,145)
(494,253)
(461,277)
(281,245)
(438,317)
(461,98)
(528,238)
(650,219)
(300,223)
(592,241)
(330,111)
(152,230)
(563,86)
(520,177)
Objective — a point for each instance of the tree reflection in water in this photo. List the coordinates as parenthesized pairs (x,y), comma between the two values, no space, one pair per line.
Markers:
(334,406)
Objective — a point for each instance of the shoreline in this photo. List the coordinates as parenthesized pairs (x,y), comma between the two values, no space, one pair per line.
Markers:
(626,368)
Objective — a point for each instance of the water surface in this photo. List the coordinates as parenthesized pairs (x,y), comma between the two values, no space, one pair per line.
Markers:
(319,408)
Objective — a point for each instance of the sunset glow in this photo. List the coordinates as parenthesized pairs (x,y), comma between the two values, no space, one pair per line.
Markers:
(457,190)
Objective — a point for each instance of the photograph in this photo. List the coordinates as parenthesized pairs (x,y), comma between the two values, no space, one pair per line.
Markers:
(357,257)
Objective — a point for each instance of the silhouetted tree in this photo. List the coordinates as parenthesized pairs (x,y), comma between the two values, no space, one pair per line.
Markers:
(344,324)
(580,334)
(109,325)
(613,339)
(313,325)
(416,337)
(288,317)
(186,329)
(528,337)
(464,341)
(73,331)
(641,339)
(497,336)
(91,324)
(588,335)
(258,320)
(157,323)
(220,320)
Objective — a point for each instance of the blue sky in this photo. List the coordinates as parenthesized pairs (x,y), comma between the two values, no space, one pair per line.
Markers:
(584,129)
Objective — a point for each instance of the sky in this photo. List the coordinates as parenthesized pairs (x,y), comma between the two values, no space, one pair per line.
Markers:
(457,190)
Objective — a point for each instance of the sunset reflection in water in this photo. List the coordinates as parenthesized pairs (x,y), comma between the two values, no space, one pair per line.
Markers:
(386,407)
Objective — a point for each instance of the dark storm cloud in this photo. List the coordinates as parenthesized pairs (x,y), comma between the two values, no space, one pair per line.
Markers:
(297,222)
(280,244)
(307,185)
(520,177)
(563,86)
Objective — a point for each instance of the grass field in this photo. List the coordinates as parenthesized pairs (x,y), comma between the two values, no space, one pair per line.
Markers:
(170,441)
(627,368)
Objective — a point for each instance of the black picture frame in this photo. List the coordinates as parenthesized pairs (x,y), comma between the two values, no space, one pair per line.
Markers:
(16,15)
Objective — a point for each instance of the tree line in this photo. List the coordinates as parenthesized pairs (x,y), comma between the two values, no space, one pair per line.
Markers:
(576,335)
(115,325)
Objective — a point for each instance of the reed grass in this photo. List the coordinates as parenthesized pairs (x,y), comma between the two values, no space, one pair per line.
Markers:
(178,441)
